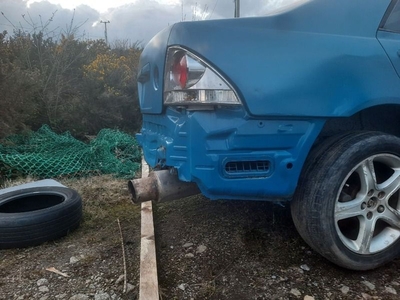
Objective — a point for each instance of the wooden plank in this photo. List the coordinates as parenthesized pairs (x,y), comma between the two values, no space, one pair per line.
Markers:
(148,287)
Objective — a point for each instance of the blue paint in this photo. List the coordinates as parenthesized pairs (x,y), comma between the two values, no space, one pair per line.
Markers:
(292,72)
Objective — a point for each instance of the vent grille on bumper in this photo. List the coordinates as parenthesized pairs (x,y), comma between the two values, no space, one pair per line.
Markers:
(248,168)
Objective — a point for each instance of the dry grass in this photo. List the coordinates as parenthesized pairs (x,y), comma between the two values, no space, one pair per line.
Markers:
(97,240)
(253,252)
(104,198)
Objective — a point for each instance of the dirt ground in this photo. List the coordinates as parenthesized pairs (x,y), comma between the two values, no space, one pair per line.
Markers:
(206,250)
(91,256)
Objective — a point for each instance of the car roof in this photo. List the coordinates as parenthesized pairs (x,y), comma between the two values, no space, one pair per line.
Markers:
(354,17)
(341,17)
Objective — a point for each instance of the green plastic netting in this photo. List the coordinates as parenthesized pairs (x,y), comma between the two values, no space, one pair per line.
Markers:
(45,154)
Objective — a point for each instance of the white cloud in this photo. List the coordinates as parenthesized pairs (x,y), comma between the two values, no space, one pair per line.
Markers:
(101,6)
(133,20)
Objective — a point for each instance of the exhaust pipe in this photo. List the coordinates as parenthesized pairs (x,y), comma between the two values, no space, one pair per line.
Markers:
(161,186)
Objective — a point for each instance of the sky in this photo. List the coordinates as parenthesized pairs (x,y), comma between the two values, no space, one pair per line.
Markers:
(133,21)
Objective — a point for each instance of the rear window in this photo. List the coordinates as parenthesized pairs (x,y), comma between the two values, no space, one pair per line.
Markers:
(392,19)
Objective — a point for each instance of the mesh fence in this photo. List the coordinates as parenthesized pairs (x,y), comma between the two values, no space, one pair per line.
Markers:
(45,154)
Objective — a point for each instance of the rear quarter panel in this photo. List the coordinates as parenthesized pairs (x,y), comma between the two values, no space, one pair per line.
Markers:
(320,60)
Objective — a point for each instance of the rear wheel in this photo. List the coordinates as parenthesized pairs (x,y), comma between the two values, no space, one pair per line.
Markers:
(347,204)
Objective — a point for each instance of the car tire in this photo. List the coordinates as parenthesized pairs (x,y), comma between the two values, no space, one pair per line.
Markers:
(318,151)
(31,216)
(347,206)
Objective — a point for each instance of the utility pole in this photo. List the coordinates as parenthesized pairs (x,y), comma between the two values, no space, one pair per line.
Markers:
(105,29)
(237,8)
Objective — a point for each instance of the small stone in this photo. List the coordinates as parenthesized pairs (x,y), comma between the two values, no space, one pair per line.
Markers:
(44,298)
(182,286)
(102,296)
(395,283)
(187,245)
(61,296)
(306,297)
(129,287)
(201,249)
(189,255)
(79,297)
(74,259)
(368,284)
(305,267)
(120,279)
(344,289)
(42,281)
(273,277)
(366,296)
(43,289)
(390,290)
(295,292)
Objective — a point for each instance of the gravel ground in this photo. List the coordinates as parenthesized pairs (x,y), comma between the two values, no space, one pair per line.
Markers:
(206,250)
(251,250)
(90,258)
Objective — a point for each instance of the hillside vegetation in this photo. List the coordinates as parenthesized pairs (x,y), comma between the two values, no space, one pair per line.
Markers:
(70,84)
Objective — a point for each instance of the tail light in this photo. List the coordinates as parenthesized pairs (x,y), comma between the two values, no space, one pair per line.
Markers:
(189,80)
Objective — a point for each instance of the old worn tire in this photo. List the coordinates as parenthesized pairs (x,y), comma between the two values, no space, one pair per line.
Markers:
(32,216)
(336,179)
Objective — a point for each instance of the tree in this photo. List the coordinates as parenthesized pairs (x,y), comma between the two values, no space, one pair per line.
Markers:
(112,92)
(17,86)
(71,84)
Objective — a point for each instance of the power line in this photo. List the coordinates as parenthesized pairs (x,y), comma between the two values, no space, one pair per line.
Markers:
(215,5)
(237,8)
(8,25)
(105,29)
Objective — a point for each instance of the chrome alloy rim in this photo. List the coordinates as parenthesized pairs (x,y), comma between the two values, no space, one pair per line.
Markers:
(367,208)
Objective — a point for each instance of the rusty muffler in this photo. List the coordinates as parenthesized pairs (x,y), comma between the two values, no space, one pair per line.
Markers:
(161,186)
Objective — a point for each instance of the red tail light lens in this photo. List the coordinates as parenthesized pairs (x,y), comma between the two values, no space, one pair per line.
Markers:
(180,70)
(189,80)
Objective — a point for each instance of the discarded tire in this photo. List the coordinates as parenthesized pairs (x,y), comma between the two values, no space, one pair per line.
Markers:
(32,216)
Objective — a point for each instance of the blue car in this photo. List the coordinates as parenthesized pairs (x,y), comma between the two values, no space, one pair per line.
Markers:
(301,106)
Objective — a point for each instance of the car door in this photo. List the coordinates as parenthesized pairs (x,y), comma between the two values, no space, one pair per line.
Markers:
(389,34)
